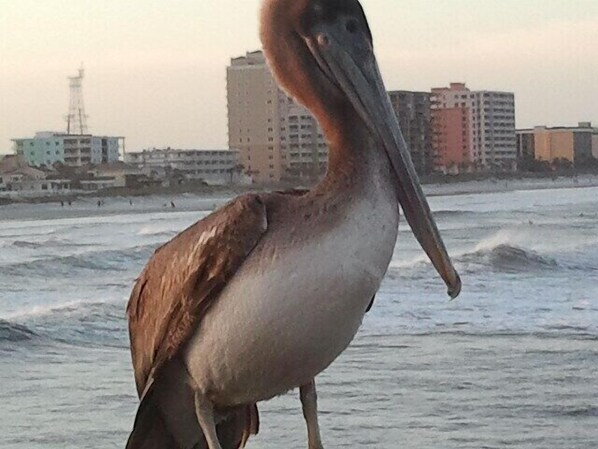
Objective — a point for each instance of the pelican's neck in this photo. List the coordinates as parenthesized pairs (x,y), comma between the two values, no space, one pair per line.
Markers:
(354,158)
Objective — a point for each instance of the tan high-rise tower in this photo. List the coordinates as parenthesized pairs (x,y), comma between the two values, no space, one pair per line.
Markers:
(253,117)
(277,138)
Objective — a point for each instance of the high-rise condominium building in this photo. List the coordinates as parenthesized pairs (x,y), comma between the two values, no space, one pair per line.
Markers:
(473,129)
(303,147)
(276,137)
(413,111)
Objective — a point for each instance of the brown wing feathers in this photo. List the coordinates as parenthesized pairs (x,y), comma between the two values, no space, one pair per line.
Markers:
(182,279)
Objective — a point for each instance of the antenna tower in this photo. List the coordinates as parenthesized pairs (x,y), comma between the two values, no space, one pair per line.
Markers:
(76,120)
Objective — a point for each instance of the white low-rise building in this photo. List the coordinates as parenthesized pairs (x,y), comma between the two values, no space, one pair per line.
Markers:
(214,167)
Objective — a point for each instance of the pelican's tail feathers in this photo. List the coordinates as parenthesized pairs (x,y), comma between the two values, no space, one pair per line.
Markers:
(149,430)
(236,429)
(166,416)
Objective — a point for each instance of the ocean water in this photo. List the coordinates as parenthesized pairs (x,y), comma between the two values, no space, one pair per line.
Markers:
(512,363)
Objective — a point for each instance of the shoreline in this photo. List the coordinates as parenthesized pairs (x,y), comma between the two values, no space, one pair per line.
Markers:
(448,187)
(510,185)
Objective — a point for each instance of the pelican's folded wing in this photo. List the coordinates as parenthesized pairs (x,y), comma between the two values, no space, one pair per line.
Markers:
(183,277)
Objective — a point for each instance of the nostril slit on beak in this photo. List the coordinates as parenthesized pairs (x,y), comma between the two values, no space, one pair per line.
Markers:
(351,26)
(323,40)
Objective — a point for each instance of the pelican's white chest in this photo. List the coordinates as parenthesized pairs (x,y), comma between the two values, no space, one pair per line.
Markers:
(285,317)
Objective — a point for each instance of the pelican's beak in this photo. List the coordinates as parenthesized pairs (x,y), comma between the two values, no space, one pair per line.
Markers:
(346,57)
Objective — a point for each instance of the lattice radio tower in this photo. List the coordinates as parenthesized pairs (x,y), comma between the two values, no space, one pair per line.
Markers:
(76,120)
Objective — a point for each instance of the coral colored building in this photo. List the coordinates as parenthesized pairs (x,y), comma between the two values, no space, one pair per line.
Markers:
(473,130)
(450,138)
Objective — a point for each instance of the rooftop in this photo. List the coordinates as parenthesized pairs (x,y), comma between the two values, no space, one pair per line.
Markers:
(51,134)
(251,58)
(179,150)
(581,127)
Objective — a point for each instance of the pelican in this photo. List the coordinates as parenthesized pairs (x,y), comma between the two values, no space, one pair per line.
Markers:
(262,295)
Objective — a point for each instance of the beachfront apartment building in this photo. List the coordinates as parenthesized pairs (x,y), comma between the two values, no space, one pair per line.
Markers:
(473,130)
(576,144)
(214,167)
(254,117)
(413,110)
(276,137)
(303,147)
(47,148)
(17,178)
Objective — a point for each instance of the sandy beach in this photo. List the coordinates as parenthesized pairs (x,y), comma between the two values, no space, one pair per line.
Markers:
(510,185)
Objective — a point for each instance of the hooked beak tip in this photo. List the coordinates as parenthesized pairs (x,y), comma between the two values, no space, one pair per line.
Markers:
(455,288)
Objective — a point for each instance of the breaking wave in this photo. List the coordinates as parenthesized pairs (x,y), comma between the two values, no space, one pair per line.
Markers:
(13,332)
(49,243)
(107,260)
(510,259)
(503,252)
(75,323)
(453,213)
(154,230)
(26,244)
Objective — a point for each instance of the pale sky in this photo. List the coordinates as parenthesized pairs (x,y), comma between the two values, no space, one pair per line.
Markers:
(155,69)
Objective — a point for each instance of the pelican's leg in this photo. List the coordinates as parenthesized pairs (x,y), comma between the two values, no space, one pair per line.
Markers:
(309,402)
(205,417)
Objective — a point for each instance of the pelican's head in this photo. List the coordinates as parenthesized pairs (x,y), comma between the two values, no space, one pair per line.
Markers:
(321,52)
(292,31)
